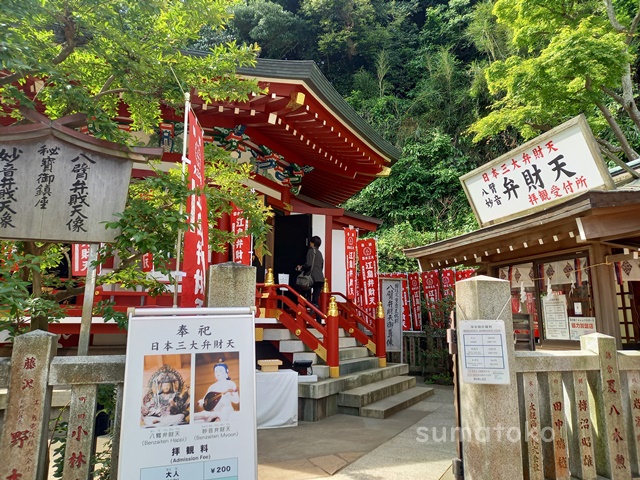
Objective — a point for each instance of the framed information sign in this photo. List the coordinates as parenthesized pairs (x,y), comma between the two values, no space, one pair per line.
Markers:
(189,395)
(483,352)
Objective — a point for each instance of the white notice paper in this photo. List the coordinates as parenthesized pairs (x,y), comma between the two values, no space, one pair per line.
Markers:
(483,352)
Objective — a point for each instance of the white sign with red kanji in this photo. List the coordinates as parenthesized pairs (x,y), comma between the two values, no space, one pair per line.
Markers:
(368,259)
(241,250)
(547,170)
(350,239)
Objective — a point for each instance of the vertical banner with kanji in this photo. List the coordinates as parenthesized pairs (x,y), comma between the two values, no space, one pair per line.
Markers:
(196,240)
(241,245)
(79,259)
(448,282)
(350,239)
(431,289)
(392,306)
(405,306)
(368,259)
(414,294)
(147,262)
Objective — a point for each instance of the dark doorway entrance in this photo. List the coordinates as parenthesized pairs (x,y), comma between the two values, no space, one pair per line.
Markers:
(292,234)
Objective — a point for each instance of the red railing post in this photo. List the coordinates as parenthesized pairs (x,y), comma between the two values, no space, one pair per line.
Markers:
(381,338)
(270,303)
(324,297)
(333,356)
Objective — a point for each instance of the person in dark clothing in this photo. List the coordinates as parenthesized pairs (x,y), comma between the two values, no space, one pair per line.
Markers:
(314,264)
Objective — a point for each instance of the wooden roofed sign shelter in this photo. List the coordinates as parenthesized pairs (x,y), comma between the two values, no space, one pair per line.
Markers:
(558,226)
(57,184)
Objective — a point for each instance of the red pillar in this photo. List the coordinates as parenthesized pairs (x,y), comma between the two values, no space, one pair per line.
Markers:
(224,225)
(381,338)
(333,356)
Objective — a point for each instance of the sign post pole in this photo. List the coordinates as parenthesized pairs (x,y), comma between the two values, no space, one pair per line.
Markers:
(87,304)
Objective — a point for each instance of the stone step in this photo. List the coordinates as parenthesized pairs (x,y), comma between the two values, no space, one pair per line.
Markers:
(393,404)
(333,386)
(347,353)
(320,399)
(291,346)
(352,365)
(367,394)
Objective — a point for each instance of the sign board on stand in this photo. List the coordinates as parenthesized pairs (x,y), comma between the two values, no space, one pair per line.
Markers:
(391,292)
(189,401)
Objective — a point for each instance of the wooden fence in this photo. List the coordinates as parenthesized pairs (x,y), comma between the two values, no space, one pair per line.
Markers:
(550,414)
(31,374)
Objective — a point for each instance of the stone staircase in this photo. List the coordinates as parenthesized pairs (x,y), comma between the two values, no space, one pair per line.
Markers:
(362,389)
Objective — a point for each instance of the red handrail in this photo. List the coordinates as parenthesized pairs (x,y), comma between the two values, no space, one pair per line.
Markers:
(346,315)
(298,316)
(353,316)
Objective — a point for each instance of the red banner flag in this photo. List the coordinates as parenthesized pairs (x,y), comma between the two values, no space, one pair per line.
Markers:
(431,287)
(406,307)
(350,240)
(196,241)
(147,262)
(448,282)
(79,259)
(368,259)
(414,294)
(242,245)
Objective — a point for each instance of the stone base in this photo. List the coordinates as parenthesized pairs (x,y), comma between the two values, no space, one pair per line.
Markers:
(316,409)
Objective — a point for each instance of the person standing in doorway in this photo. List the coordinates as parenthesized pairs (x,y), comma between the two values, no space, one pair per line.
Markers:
(314,264)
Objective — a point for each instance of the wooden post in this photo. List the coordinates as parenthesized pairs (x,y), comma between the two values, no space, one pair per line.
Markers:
(381,338)
(87,304)
(23,440)
(333,355)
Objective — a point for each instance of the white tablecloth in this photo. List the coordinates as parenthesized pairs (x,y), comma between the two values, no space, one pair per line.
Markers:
(277,399)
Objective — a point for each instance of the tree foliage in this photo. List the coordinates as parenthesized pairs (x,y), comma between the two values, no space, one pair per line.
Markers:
(93,55)
(566,59)
(423,189)
(96,58)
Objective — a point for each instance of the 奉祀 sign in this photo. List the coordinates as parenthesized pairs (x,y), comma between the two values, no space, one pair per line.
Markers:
(547,170)
(189,396)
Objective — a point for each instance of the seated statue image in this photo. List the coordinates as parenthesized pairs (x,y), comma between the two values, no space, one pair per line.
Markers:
(166,401)
(222,400)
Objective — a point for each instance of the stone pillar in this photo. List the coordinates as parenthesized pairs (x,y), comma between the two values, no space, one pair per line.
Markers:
(489,413)
(610,438)
(232,285)
(23,441)
(79,447)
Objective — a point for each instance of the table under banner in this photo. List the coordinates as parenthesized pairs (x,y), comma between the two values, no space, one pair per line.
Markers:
(277,399)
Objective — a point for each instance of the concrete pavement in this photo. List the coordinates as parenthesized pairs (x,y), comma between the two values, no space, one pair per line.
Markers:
(415,443)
